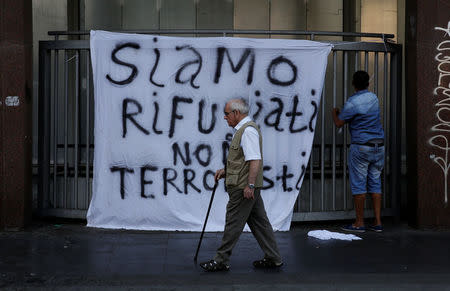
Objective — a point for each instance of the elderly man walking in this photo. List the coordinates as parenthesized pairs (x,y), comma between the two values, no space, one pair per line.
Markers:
(243,180)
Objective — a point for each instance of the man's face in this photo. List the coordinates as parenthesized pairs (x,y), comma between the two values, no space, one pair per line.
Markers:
(230,116)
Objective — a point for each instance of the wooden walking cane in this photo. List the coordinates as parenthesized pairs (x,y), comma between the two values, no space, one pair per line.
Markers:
(206,220)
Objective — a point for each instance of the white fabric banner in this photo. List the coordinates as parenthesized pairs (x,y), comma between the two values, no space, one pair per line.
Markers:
(160,133)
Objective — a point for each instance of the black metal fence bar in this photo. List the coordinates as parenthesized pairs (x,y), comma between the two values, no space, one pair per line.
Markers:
(76,129)
(311,172)
(334,130)
(55,127)
(366,61)
(88,124)
(375,80)
(394,133)
(66,112)
(344,128)
(322,151)
(385,121)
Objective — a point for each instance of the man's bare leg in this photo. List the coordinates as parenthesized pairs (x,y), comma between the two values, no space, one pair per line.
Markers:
(359,209)
(376,198)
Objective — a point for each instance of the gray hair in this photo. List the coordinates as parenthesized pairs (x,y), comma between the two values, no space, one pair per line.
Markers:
(239,104)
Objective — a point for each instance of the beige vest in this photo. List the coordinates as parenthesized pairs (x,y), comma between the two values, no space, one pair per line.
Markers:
(237,169)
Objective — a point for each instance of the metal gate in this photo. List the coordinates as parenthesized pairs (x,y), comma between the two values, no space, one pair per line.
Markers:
(66,141)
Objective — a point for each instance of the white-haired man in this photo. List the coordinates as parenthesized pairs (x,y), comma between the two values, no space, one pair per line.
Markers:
(243,180)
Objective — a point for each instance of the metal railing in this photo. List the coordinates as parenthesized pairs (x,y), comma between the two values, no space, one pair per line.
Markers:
(66,142)
(229,32)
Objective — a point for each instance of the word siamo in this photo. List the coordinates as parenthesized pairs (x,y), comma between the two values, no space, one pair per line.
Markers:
(194,66)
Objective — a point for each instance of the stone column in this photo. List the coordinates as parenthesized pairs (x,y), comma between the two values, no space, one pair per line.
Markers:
(428,111)
(15,112)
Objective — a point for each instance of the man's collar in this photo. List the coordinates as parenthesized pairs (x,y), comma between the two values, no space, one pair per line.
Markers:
(242,122)
(360,92)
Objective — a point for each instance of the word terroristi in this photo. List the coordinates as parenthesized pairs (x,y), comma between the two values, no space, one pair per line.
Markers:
(184,180)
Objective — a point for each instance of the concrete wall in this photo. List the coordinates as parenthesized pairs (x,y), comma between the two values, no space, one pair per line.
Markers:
(325,15)
(140,14)
(428,89)
(287,15)
(252,14)
(379,16)
(103,14)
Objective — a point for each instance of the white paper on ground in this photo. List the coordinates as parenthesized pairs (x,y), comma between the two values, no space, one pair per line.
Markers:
(326,235)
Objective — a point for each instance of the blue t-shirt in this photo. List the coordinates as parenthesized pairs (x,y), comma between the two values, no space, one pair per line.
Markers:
(362,112)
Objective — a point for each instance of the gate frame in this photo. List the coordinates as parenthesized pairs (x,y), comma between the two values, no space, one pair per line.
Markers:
(395,101)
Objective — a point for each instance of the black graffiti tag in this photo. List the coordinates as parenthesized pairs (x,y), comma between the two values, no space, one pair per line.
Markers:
(269,181)
(284,178)
(258,111)
(158,54)
(155,118)
(198,61)
(206,148)
(189,176)
(277,112)
(205,178)
(200,117)
(313,116)
(134,70)
(130,116)
(297,185)
(167,179)
(175,115)
(146,182)
(122,171)
(177,152)
(272,69)
(248,54)
(293,114)
(203,154)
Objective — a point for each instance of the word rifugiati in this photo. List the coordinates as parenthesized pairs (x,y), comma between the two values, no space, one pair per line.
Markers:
(147,119)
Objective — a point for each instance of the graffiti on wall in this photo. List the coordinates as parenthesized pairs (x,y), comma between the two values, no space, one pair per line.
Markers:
(441,129)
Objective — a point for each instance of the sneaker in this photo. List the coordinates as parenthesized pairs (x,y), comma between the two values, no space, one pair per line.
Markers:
(376,228)
(213,266)
(353,228)
(266,264)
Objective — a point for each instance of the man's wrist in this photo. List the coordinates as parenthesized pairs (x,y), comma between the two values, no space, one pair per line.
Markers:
(251,186)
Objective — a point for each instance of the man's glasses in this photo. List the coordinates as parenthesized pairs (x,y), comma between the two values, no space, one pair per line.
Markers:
(227,113)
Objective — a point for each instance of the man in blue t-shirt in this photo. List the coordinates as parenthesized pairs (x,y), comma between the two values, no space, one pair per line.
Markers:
(366,157)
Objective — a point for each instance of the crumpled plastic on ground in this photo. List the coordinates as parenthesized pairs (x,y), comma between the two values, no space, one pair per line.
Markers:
(326,235)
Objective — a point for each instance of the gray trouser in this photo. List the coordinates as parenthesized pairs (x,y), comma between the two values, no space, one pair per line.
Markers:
(251,211)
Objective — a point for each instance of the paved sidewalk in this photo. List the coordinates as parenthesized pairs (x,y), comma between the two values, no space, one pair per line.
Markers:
(74,257)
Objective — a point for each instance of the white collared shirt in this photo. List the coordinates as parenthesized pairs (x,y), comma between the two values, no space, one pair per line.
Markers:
(249,140)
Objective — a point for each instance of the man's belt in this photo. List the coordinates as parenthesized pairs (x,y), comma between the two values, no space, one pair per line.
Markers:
(371,143)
